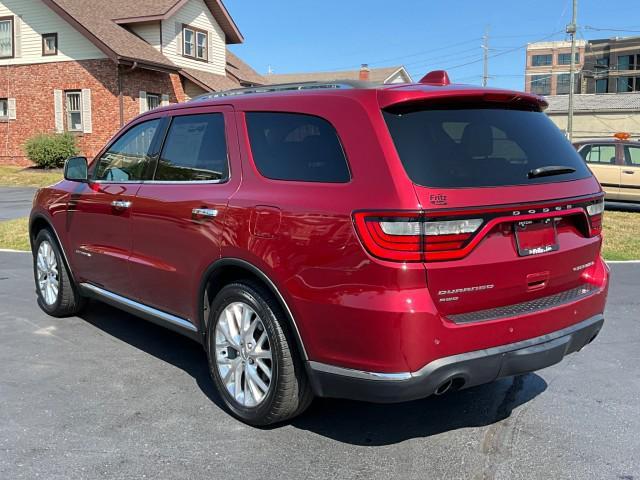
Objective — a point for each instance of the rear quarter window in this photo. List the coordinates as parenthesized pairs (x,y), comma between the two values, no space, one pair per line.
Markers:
(479,146)
(296,147)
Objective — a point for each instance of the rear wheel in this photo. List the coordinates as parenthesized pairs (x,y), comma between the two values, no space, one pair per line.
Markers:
(252,359)
(57,295)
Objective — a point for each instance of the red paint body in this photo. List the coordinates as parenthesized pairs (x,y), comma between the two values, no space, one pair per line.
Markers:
(352,309)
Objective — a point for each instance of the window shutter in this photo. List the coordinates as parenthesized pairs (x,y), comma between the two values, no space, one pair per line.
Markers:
(11,102)
(58,110)
(210,47)
(17,27)
(87,123)
(143,101)
(165,100)
(178,38)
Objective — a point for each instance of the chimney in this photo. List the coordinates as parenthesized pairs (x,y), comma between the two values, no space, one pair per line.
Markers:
(364,73)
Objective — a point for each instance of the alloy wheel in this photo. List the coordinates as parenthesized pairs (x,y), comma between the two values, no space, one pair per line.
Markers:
(243,354)
(48,275)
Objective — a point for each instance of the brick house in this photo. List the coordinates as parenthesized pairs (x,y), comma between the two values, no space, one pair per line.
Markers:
(89,67)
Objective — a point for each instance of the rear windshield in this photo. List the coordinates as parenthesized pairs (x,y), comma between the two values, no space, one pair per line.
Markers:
(480,147)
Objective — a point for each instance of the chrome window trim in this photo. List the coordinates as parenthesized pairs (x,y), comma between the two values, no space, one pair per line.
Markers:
(461,357)
(139,307)
(161,182)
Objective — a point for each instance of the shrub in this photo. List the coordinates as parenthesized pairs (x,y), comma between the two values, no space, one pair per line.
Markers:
(51,150)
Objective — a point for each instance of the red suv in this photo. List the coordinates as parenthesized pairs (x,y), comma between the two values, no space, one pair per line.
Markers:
(379,243)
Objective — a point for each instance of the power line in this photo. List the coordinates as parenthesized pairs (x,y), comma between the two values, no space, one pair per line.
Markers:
(589,27)
(507,51)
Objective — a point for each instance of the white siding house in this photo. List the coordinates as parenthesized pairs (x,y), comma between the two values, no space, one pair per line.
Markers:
(195,14)
(149,32)
(31,19)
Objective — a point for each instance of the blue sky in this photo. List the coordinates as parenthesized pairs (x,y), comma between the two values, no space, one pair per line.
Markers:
(293,35)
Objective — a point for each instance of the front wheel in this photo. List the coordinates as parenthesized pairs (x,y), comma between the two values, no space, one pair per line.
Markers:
(57,295)
(252,358)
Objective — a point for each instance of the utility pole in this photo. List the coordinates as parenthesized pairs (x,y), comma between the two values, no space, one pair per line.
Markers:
(571,30)
(485,57)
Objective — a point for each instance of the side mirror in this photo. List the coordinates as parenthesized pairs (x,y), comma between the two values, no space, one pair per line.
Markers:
(76,169)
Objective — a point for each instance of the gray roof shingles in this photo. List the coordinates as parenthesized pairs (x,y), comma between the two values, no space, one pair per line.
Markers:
(604,102)
(376,75)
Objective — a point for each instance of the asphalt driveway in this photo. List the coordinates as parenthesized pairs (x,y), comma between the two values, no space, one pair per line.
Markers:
(110,396)
(15,202)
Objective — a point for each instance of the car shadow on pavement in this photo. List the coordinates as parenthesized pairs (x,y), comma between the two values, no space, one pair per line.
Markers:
(157,341)
(351,422)
(367,424)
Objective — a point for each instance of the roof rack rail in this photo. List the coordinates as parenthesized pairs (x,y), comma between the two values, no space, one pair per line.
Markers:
(284,87)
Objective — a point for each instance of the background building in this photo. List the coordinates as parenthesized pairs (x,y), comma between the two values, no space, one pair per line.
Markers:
(597,115)
(547,67)
(89,67)
(612,66)
(397,74)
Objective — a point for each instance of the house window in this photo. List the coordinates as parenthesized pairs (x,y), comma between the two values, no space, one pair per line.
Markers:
(541,84)
(194,43)
(74,111)
(565,58)
(602,85)
(4,108)
(187,35)
(541,60)
(201,48)
(602,63)
(6,37)
(625,84)
(49,44)
(627,62)
(153,101)
(562,83)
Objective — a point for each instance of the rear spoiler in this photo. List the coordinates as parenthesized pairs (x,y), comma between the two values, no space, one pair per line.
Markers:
(459,94)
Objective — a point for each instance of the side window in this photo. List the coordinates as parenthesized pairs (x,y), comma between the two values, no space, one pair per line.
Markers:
(195,150)
(584,152)
(290,146)
(600,154)
(126,159)
(632,156)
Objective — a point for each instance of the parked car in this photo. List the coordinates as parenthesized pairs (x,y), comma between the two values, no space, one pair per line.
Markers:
(378,243)
(616,164)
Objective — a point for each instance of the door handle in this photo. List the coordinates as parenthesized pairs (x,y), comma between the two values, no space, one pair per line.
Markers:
(200,213)
(628,172)
(121,204)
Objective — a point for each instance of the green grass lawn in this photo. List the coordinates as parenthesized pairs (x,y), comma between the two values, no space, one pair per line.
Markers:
(621,235)
(14,234)
(11,176)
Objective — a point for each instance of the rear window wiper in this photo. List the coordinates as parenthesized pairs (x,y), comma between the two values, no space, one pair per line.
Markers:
(549,170)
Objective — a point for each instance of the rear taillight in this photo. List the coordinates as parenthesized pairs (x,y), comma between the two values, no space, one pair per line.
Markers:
(410,237)
(595,211)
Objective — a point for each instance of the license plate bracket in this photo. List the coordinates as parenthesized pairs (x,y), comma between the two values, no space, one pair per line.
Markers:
(534,237)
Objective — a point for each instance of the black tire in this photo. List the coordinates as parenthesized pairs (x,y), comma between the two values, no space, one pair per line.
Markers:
(69,301)
(289,392)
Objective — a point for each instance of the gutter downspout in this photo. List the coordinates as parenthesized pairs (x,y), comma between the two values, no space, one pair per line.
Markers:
(120,97)
(120,94)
